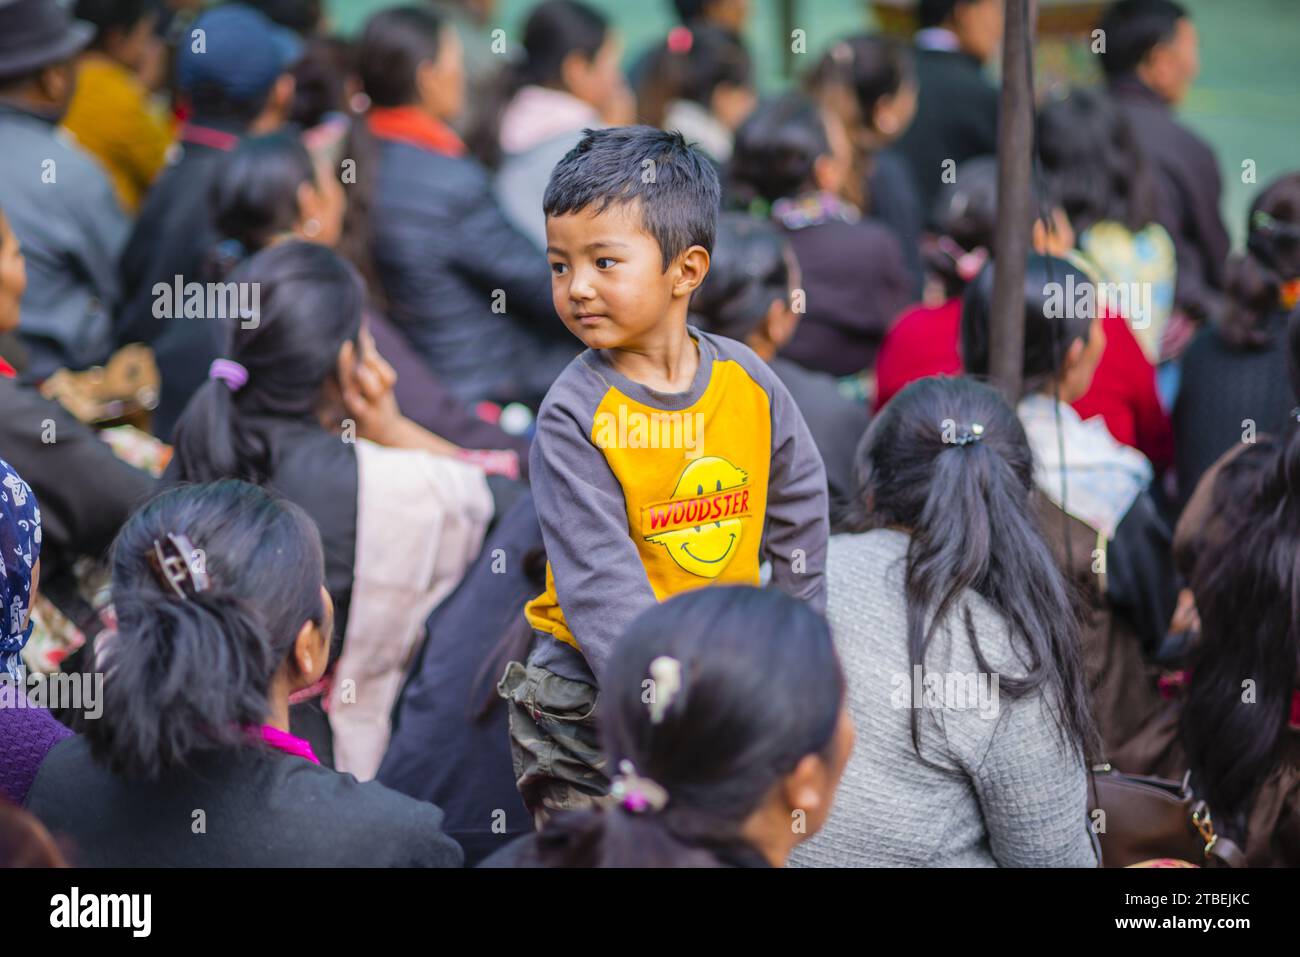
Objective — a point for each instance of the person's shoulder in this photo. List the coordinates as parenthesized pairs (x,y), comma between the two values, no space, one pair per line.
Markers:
(67,176)
(860,245)
(921,321)
(378,825)
(440,174)
(70,155)
(818,388)
(66,768)
(863,560)
(865,602)
(308,449)
(875,235)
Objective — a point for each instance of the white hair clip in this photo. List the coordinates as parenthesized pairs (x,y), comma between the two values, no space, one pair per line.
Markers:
(667,675)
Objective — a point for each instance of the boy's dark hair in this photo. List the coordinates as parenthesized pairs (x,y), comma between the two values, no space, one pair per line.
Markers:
(189,675)
(745,654)
(675,183)
(1133,28)
(777,148)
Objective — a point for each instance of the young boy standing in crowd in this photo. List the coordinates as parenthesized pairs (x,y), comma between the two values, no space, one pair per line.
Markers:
(665,458)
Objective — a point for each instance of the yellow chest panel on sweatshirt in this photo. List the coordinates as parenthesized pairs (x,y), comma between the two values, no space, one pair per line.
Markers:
(694,485)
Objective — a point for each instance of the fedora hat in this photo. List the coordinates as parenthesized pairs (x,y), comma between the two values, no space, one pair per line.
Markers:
(36,34)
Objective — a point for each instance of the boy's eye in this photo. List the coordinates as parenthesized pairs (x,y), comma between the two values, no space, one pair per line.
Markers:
(604,262)
(557,269)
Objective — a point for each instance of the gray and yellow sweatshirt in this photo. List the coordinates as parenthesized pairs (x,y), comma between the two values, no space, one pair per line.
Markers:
(644,494)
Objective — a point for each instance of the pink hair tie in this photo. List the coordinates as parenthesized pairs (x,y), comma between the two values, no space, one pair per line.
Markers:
(230,372)
(636,794)
(680,40)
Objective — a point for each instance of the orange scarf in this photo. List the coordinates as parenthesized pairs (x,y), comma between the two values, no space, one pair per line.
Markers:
(410,124)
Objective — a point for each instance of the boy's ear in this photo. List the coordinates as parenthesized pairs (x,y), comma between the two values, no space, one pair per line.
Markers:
(692,267)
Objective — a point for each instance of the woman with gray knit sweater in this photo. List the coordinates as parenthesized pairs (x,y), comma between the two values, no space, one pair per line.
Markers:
(960,648)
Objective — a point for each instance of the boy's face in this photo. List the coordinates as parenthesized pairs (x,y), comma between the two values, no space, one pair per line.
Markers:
(607,278)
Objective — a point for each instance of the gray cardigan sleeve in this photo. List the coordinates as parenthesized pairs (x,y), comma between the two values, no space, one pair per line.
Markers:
(1032,789)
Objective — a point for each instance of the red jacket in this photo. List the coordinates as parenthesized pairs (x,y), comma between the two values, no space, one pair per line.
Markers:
(925,340)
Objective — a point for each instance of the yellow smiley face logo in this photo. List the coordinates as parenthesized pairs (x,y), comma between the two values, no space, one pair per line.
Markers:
(701,521)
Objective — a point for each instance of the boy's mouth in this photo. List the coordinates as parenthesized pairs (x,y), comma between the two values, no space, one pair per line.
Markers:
(589,319)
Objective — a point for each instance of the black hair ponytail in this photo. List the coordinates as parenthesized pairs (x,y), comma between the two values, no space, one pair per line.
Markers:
(188,675)
(948,460)
(711,57)
(309,303)
(760,689)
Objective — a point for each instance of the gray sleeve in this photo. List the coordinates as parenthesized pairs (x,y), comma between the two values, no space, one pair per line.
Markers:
(1033,792)
(798,522)
(599,579)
